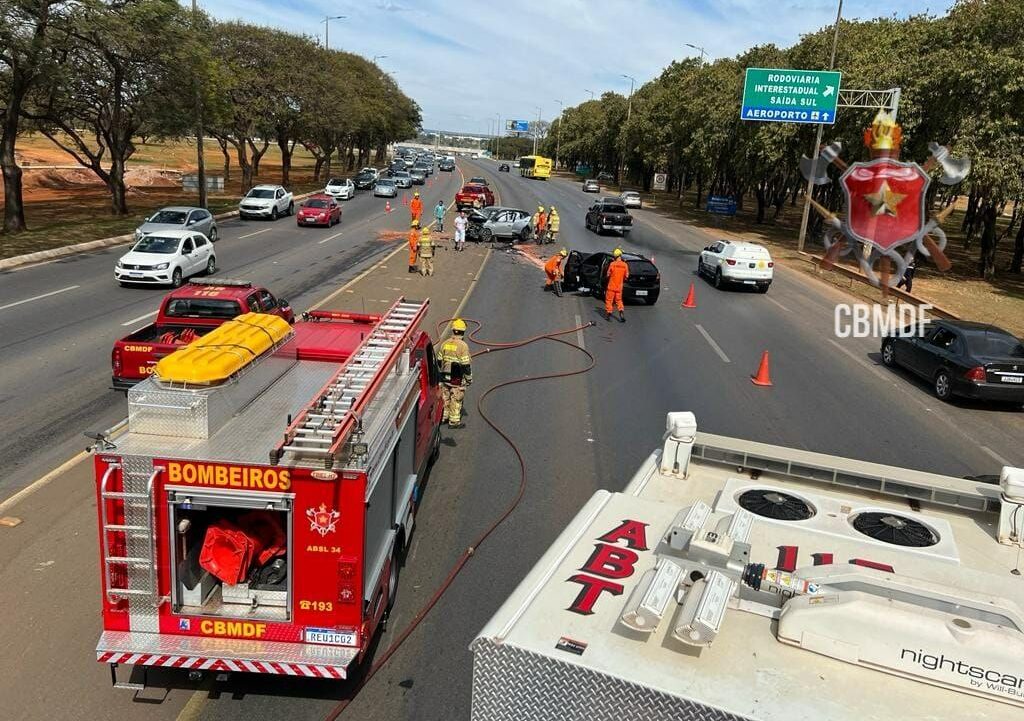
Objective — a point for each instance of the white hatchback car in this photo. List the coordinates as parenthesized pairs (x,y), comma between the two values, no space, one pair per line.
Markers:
(743,263)
(166,258)
(631,199)
(340,188)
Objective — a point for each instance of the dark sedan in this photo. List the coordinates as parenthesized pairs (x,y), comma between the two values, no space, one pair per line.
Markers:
(503,168)
(961,358)
(588,272)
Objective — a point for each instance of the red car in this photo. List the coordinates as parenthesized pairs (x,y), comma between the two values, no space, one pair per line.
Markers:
(474,195)
(319,209)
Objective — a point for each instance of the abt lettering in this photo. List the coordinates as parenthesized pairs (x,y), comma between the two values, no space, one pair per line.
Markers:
(608,564)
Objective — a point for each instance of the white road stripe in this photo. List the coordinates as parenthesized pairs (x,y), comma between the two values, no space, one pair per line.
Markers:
(579,333)
(39,297)
(711,342)
(860,361)
(133,321)
(995,455)
(330,237)
(265,230)
(772,300)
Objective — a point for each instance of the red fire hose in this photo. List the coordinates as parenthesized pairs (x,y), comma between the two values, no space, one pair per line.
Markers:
(488,347)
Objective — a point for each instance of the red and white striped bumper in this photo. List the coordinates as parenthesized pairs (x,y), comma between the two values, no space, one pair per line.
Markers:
(197,653)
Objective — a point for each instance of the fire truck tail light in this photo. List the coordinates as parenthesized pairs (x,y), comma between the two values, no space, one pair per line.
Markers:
(348,590)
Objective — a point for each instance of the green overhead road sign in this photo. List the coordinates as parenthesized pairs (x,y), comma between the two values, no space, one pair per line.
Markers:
(782,95)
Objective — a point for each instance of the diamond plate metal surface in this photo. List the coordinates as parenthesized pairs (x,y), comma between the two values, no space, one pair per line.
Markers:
(167,413)
(142,613)
(511,684)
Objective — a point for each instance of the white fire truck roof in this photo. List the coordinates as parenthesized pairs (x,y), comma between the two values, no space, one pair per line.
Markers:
(640,609)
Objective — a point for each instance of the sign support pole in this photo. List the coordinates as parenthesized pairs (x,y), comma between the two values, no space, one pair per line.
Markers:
(817,144)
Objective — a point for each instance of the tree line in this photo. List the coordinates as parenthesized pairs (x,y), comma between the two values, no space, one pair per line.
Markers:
(94,76)
(961,81)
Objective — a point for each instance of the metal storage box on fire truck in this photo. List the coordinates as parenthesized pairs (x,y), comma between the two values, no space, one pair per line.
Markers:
(740,580)
(252,514)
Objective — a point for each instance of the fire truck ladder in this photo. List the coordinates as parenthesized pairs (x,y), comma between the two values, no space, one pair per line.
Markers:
(319,432)
(132,562)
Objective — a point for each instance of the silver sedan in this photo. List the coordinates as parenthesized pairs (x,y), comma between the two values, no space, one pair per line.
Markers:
(197,220)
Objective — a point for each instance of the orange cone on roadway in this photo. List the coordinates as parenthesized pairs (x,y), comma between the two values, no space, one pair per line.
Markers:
(405,199)
(387,206)
(691,301)
(763,378)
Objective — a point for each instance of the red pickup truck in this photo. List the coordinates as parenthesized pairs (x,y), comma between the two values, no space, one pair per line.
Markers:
(188,313)
(474,195)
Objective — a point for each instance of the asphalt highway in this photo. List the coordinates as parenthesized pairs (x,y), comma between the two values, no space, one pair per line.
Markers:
(60,319)
(578,434)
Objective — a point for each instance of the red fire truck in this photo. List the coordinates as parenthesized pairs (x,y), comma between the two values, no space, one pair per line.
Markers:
(253,516)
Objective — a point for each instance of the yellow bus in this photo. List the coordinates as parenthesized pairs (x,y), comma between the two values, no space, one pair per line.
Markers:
(535,166)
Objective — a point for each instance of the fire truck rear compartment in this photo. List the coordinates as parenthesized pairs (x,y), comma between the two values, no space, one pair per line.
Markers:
(230,555)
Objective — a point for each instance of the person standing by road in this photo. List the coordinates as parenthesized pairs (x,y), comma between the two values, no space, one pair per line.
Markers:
(616,275)
(425,253)
(416,206)
(553,269)
(540,222)
(460,231)
(414,241)
(553,224)
(439,216)
(456,374)
(908,275)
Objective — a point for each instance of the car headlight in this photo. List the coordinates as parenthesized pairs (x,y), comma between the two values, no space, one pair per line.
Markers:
(139,234)
(161,266)
(119,265)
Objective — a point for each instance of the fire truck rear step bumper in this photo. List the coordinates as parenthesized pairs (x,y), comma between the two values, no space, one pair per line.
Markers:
(203,653)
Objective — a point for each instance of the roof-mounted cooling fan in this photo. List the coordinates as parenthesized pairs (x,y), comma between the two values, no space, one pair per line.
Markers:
(897,530)
(780,506)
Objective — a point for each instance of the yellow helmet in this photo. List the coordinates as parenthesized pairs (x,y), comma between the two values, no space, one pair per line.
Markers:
(426,232)
(416,194)
(458,325)
(563,252)
(540,208)
(552,209)
(415,223)
(617,252)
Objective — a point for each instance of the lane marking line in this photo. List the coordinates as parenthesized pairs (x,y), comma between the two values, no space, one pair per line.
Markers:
(772,300)
(133,321)
(579,333)
(330,237)
(39,297)
(984,448)
(860,361)
(249,235)
(711,342)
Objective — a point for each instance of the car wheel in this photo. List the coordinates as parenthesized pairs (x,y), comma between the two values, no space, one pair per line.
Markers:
(486,235)
(524,235)
(176,278)
(273,213)
(719,280)
(211,266)
(889,353)
(214,235)
(291,208)
(943,386)
(700,267)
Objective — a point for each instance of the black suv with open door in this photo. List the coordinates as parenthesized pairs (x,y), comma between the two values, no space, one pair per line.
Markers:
(589,272)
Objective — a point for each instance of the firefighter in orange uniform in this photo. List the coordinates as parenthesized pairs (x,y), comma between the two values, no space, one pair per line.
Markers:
(553,269)
(456,373)
(416,207)
(617,273)
(414,241)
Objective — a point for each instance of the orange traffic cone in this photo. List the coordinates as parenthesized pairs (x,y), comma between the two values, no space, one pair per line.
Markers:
(691,301)
(387,206)
(405,199)
(763,378)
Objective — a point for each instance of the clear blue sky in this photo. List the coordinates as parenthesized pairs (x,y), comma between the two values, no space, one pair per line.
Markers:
(465,62)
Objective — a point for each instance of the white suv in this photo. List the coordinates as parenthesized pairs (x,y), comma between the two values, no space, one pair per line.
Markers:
(266,201)
(725,261)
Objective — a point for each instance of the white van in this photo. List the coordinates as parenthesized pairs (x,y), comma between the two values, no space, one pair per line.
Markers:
(726,261)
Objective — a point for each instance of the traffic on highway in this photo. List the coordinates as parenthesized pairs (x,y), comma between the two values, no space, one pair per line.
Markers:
(703,400)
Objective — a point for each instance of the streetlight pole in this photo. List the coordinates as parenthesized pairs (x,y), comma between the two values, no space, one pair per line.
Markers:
(558,134)
(327,28)
(589,91)
(497,141)
(699,49)
(378,57)
(629,108)
(817,143)
(536,131)
(200,156)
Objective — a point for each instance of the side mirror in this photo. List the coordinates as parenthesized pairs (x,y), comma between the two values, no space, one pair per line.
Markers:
(192,221)
(282,303)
